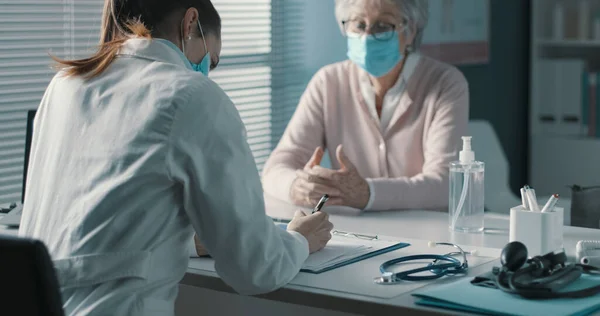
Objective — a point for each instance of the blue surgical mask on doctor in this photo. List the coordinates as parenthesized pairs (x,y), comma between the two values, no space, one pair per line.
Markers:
(204,65)
(378,54)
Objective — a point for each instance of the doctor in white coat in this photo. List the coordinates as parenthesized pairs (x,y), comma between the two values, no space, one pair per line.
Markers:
(133,150)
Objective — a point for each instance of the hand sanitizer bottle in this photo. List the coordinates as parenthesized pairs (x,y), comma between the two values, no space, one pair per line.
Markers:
(466,191)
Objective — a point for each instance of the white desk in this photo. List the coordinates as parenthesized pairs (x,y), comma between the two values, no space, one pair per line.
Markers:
(202,292)
(299,299)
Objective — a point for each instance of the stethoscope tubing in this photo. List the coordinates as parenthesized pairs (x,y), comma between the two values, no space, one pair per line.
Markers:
(452,267)
(438,270)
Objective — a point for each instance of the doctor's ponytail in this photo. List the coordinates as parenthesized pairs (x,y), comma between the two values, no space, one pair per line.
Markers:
(126,19)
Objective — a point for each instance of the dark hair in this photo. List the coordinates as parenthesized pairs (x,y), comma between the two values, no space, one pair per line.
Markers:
(125,19)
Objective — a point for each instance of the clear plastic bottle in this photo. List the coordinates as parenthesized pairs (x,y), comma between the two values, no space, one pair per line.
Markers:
(466,201)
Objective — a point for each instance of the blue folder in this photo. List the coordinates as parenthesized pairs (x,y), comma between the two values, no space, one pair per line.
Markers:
(359,258)
(464,296)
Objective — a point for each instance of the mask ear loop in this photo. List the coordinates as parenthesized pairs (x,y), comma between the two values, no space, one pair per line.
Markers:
(203,38)
(189,37)
(182,39)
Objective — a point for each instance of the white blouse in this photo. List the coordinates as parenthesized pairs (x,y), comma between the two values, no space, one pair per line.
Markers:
(392,97)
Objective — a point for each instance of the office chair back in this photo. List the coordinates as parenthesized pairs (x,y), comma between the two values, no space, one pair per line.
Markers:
(487,147)
(28,283)
(498,196)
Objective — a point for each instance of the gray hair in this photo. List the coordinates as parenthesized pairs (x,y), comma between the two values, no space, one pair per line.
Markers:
(416,13)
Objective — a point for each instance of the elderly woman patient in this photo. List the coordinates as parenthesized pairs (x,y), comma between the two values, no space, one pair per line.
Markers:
(390,118)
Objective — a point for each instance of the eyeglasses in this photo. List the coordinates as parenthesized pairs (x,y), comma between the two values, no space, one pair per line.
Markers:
(379,30)
(359,236)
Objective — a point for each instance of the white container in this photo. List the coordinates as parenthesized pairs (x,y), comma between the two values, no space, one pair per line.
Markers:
(558,29)
(540,232)
(584,19)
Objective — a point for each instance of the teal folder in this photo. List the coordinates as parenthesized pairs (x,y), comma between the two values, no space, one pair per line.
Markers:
(359,258)
(464,296)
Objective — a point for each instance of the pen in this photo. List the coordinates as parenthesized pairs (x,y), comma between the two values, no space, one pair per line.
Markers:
(533,195)
(349,234)
(550,204)
(530,193)
(524,199)
(319,206)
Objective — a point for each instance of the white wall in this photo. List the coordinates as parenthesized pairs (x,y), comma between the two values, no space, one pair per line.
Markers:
(325,43)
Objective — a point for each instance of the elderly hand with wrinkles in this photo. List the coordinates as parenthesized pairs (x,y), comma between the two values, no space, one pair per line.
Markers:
(345,186)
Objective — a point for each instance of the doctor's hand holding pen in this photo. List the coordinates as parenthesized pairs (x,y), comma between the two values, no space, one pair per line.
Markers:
(345,186)
(315,227)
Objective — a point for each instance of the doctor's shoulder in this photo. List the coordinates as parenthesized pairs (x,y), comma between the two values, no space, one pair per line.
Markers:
(202,97)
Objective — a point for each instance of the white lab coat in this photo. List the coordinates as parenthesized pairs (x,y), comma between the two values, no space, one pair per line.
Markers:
(124,167)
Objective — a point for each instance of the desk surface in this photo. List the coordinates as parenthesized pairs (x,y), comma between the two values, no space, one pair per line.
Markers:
(422,225)
(427,225)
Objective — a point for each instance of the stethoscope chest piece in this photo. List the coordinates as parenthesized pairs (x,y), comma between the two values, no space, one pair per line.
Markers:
(386,278)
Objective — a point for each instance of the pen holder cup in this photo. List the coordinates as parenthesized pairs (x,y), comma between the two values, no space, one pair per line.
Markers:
(540,232)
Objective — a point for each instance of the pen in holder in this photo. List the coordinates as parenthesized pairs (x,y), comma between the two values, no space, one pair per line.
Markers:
(541,232)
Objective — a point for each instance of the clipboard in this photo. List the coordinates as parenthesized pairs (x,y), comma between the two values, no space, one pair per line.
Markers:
(367,238)
(282,223)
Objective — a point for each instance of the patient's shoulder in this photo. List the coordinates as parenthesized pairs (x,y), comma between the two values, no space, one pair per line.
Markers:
(336,72)
(439,72)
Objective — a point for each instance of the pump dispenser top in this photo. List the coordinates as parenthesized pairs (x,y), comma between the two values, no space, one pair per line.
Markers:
(466,155)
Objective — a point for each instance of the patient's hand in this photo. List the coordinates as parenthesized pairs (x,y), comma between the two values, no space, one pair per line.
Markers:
(305,191)
(349,188)
(200,250)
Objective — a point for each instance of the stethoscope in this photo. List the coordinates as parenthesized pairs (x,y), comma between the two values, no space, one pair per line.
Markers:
(442,265)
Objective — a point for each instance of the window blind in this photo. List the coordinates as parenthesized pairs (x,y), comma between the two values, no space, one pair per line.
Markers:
(244,71)
(260,62)
(287,62)
(31,29)
(86,21)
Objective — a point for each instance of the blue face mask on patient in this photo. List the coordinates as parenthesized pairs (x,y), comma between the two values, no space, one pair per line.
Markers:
(376,57)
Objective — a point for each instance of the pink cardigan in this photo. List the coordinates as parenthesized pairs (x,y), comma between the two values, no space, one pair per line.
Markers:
(406,165)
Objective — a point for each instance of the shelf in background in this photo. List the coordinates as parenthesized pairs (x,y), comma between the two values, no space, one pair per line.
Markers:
(560,161)
(581,140)
(569,43)
(569,48)
(558,156)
